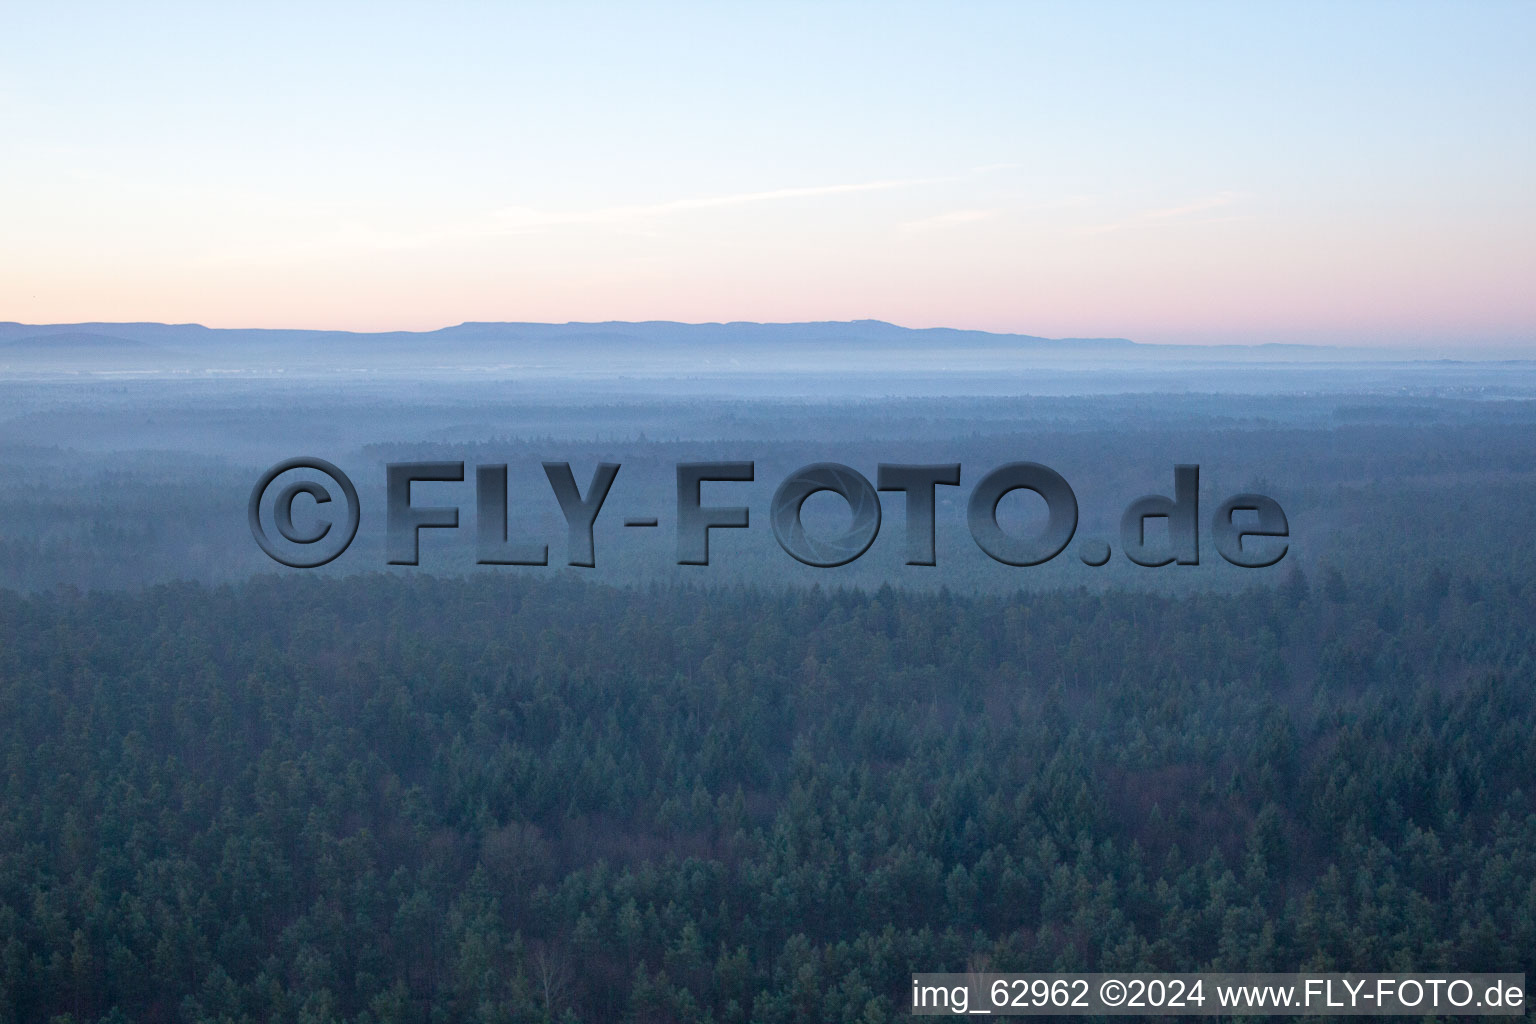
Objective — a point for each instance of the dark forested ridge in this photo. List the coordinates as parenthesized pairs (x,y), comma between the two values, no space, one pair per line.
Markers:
(501,799)
(542,347)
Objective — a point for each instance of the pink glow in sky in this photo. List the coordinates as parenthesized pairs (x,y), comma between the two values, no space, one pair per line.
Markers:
(1353,174)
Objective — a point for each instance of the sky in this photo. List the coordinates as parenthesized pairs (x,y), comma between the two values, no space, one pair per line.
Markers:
(1337,173)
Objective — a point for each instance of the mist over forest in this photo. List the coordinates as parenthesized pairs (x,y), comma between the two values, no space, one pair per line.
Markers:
(753,791)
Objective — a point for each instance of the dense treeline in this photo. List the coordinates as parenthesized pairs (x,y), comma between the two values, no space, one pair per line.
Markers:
(405,799)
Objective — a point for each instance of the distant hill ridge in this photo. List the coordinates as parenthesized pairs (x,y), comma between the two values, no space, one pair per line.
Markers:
(671,332)
(612,348)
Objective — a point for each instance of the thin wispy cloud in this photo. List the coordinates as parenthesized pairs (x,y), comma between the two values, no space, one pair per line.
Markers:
(530,217)
(954,218)
(1198,206)
(641,218)
(514,218)
(1145,217)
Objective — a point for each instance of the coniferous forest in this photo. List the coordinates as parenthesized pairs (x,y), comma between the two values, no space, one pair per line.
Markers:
(719,513)
(412,799)
(753,792)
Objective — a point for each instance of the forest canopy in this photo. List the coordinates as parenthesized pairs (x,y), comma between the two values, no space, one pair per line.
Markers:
(393,798)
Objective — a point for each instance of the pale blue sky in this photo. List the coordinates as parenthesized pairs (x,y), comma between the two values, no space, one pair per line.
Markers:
(1195,173)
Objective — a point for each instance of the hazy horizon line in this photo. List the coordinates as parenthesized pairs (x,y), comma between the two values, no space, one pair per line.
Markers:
(1515,348)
